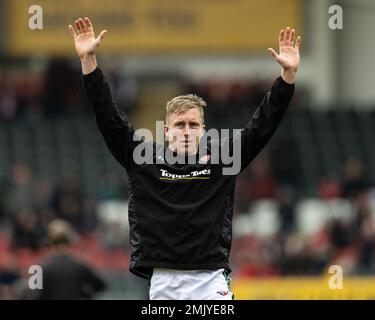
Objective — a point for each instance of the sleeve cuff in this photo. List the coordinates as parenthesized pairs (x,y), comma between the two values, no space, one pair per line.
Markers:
(96,74)
(285,84)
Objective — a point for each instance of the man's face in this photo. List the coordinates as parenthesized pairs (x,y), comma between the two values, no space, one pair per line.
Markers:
(184,131)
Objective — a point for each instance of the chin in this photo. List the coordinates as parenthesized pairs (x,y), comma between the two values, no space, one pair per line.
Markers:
(185,150)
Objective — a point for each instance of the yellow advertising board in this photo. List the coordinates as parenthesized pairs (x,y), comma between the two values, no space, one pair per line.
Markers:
(144,26)
(303,288)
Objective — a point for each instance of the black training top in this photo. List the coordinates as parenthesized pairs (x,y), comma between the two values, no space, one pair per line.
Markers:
(180,216)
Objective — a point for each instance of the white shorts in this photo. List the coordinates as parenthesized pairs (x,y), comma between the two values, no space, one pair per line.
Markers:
(169,284)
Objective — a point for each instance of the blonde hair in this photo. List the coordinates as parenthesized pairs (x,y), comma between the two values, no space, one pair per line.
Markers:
(184,103)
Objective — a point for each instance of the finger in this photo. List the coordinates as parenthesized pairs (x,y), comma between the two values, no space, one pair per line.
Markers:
(82,25)
(287,37)
(292,35)
(101,35)
(78,27)
(298,42)
(282,38)
(72,31)
(273,53)
(88,24)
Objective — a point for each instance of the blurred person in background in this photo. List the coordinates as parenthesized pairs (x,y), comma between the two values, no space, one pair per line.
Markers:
(330,187)
(20,189)
(27,230)
(64,276)
(9,275)
(2,201)
(9,101)
(354,180)
(259,181)
(67,201)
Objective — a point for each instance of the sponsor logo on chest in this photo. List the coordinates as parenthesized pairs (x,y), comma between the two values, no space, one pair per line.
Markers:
(193,175)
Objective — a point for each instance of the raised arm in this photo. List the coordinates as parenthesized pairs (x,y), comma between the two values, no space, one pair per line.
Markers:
(112,122)
(268,115)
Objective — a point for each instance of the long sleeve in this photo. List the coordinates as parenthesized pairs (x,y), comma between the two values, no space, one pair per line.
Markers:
(265,121)
(113,123)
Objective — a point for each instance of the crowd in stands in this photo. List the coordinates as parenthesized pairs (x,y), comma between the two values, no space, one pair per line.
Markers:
(54,91)
(29,203)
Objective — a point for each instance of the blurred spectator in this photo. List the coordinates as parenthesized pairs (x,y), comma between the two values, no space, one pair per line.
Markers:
(9,275)
(27,231)
(2,201)
(258,181)
(286,198)
(65,277)
(263,183)
(354,181)
(21,189)
(67,201)
(90,218)
(366,244)
(339,231)
(330,188)
(9,104)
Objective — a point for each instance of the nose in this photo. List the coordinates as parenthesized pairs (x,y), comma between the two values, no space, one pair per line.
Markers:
(186,129)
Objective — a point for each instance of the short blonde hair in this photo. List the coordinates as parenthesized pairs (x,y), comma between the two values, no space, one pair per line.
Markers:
(184,103)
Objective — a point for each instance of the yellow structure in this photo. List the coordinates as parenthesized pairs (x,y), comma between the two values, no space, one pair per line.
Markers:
(149,26)
(303,288)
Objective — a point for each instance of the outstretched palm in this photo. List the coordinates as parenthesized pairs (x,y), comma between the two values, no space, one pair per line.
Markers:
(84,37)
(288,56)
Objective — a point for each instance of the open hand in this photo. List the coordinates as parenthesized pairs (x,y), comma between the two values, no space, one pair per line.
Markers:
(288,56)
(84,37)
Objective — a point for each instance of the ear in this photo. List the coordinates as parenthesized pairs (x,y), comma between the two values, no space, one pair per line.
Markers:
(166,130)
(202,131)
